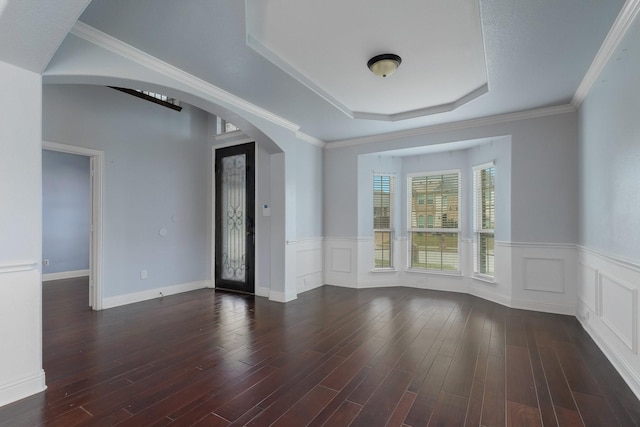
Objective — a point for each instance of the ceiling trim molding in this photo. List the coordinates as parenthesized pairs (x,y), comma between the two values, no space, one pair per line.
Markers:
(310,139)
(617,32)
(446,127)
(98,38)
(428,111)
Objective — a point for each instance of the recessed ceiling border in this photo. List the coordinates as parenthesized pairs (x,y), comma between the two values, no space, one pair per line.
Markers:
(425,111)
(285,66)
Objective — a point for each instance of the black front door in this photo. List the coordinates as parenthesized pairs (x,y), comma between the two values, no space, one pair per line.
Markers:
(235,222)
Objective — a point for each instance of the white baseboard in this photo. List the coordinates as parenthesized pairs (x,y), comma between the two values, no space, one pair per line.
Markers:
(543,307)
(262,291)
(23,388)
(280,297)
(64,275)
(618,362)
(119,300)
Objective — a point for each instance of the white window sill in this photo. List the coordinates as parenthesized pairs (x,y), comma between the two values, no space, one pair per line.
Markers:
(384,270)
(486,279)
(457,274)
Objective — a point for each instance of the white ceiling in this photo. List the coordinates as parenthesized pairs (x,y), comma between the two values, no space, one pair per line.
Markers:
(537,52)
(440,43)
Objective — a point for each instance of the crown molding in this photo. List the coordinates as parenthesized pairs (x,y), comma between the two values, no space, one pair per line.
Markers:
(465,124)
(310,139)
(421,112)
(105,41)
(614,37)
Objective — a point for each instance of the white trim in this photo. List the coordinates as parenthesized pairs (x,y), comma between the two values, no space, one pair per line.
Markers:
(617,32)
(65,275)
(149,294)
(630,342)
(464,124)
(622,262)
(310,139)
(22,388)
(233,143)
(484,278)
(280,297)
(228,135)
(97,194)
(569,310)
(457,274)
(534,245)
(103,40)
(619,363)
(18,267)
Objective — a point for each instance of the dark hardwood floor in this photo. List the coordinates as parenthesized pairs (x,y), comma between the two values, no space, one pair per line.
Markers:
(333,357)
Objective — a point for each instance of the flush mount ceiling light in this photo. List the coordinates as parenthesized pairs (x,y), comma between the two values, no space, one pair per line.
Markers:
(384,65)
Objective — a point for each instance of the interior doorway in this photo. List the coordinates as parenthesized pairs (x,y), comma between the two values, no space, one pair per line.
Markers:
(96,159)
(235,218)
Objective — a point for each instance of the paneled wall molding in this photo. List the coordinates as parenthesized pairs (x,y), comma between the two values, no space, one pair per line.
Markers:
(533,276)
(309,264)
(607,298)
(18,266)
(618,309)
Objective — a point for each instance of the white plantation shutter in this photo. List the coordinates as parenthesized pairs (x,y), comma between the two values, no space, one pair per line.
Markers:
(484,219)
(383,193)
(434,201)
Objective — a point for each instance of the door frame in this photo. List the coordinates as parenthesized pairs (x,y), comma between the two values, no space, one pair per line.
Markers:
(235,142)
(96,158)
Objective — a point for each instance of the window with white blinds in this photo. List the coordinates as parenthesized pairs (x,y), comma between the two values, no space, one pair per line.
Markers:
(383,193)
(433,202)
(484,219)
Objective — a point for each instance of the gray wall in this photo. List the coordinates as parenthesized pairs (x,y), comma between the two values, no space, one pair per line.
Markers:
(610,155)
(66,211)
(156,176)
(309,195)
(543,170)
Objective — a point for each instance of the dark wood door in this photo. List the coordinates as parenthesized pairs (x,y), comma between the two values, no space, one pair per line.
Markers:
(235,218)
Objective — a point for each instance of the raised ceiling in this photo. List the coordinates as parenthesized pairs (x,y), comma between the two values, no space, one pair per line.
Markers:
(326,45)
(537,53)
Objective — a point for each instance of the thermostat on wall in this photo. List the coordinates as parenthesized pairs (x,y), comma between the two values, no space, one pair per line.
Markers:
(266,210)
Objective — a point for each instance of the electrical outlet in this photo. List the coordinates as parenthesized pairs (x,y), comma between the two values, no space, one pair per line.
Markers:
(143,274)
(46,262)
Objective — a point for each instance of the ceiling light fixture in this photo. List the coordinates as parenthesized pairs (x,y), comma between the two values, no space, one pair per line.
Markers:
(384,65)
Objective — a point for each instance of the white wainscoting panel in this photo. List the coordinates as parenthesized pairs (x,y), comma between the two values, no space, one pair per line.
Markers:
(588,286)
(610,285)
(544,277)
(618,310)
(544,274)
(21,373)
(340,256)
(309,264)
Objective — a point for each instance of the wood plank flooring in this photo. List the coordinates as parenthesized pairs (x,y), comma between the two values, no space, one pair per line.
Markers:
(333,357)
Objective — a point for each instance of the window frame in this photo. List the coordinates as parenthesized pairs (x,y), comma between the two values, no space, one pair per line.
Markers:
(478,230)
(411,230)
(391,229)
